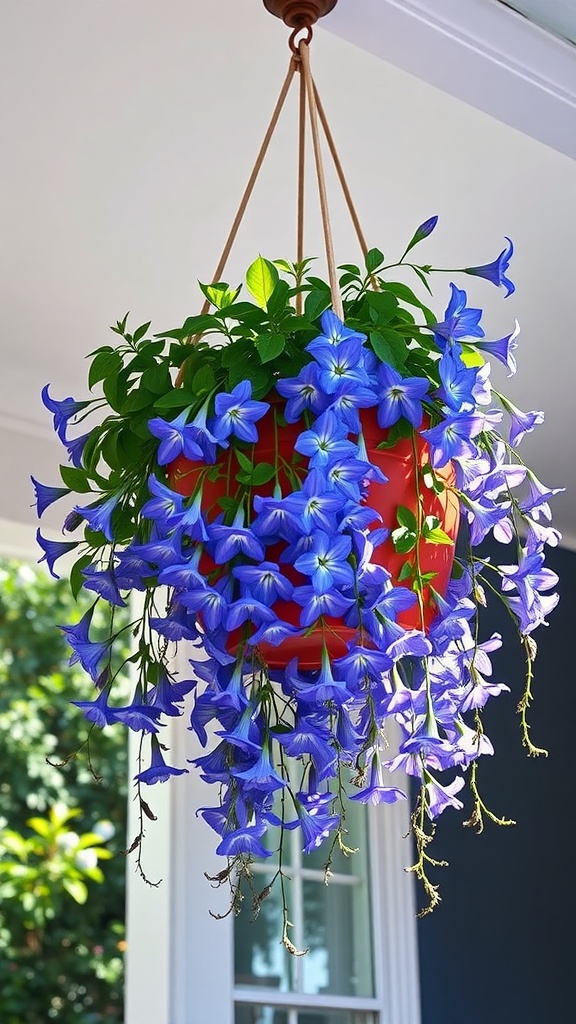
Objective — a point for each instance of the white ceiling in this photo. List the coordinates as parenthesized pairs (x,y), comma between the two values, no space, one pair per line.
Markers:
(129,128)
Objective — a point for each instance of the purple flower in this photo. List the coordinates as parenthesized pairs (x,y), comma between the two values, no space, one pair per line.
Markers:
(438,797)
(502,349)
(165,505)
(495,272)
(399,396)
(520,422)
(236,413)
(376,792)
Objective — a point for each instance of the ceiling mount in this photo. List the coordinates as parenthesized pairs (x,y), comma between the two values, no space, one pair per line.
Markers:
(299,13)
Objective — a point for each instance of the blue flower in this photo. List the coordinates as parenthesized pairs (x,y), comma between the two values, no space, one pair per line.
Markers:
(98,516)
(400,396)
(326,563)
(234,540)
(103,582)
(46,495)
(158,771)
(244,840)
(264,582)
(303,392)
(54,549)
(495,272)
(334,330)
(63,411)
(520,422)
(236,413)
(453,437)
(176,438)
(459,321)
(90,654)
(325,441)
(338,363)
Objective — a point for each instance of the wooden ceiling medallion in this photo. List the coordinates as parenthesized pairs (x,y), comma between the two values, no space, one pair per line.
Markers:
(299,13)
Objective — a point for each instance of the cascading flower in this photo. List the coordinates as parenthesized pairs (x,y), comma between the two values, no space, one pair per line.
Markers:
(251,511)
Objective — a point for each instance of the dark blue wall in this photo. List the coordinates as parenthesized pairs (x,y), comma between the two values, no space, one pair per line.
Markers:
(500,948)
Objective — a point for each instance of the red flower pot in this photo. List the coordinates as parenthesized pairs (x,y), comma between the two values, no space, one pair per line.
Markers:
(400,468)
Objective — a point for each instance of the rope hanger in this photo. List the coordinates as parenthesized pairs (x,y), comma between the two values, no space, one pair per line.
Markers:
(309,103)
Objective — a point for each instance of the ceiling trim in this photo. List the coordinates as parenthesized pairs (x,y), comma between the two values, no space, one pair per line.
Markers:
(480,51)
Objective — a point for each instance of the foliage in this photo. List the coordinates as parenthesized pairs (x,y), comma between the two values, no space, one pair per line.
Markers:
(231,475)
(61,915)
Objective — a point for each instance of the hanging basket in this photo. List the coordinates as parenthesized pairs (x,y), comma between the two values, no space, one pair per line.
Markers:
(402,488)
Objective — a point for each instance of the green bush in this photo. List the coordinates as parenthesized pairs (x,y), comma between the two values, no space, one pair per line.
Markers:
(61,912)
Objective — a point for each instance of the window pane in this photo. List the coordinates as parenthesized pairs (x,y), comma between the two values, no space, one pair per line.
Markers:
(259,957)
(337,931)
(246,1014)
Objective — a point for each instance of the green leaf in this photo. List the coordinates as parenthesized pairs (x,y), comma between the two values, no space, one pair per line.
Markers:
(105,364)
(437,536)
(200,324)
(75,479)
(270,346)
(278,301)
(203,380)
(403,292)
(157,378)
(178,398)
(431,481)
(406,572)
(139,398)
(284,265)
(316,302)
(140,332)
(76,889)
(263,472)
(76,578)
(219,294)
(244,462)
(261,280)
(406,518)
(374,259)
(404,540)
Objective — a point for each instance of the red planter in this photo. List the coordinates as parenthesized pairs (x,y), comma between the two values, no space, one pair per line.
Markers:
(398,465)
